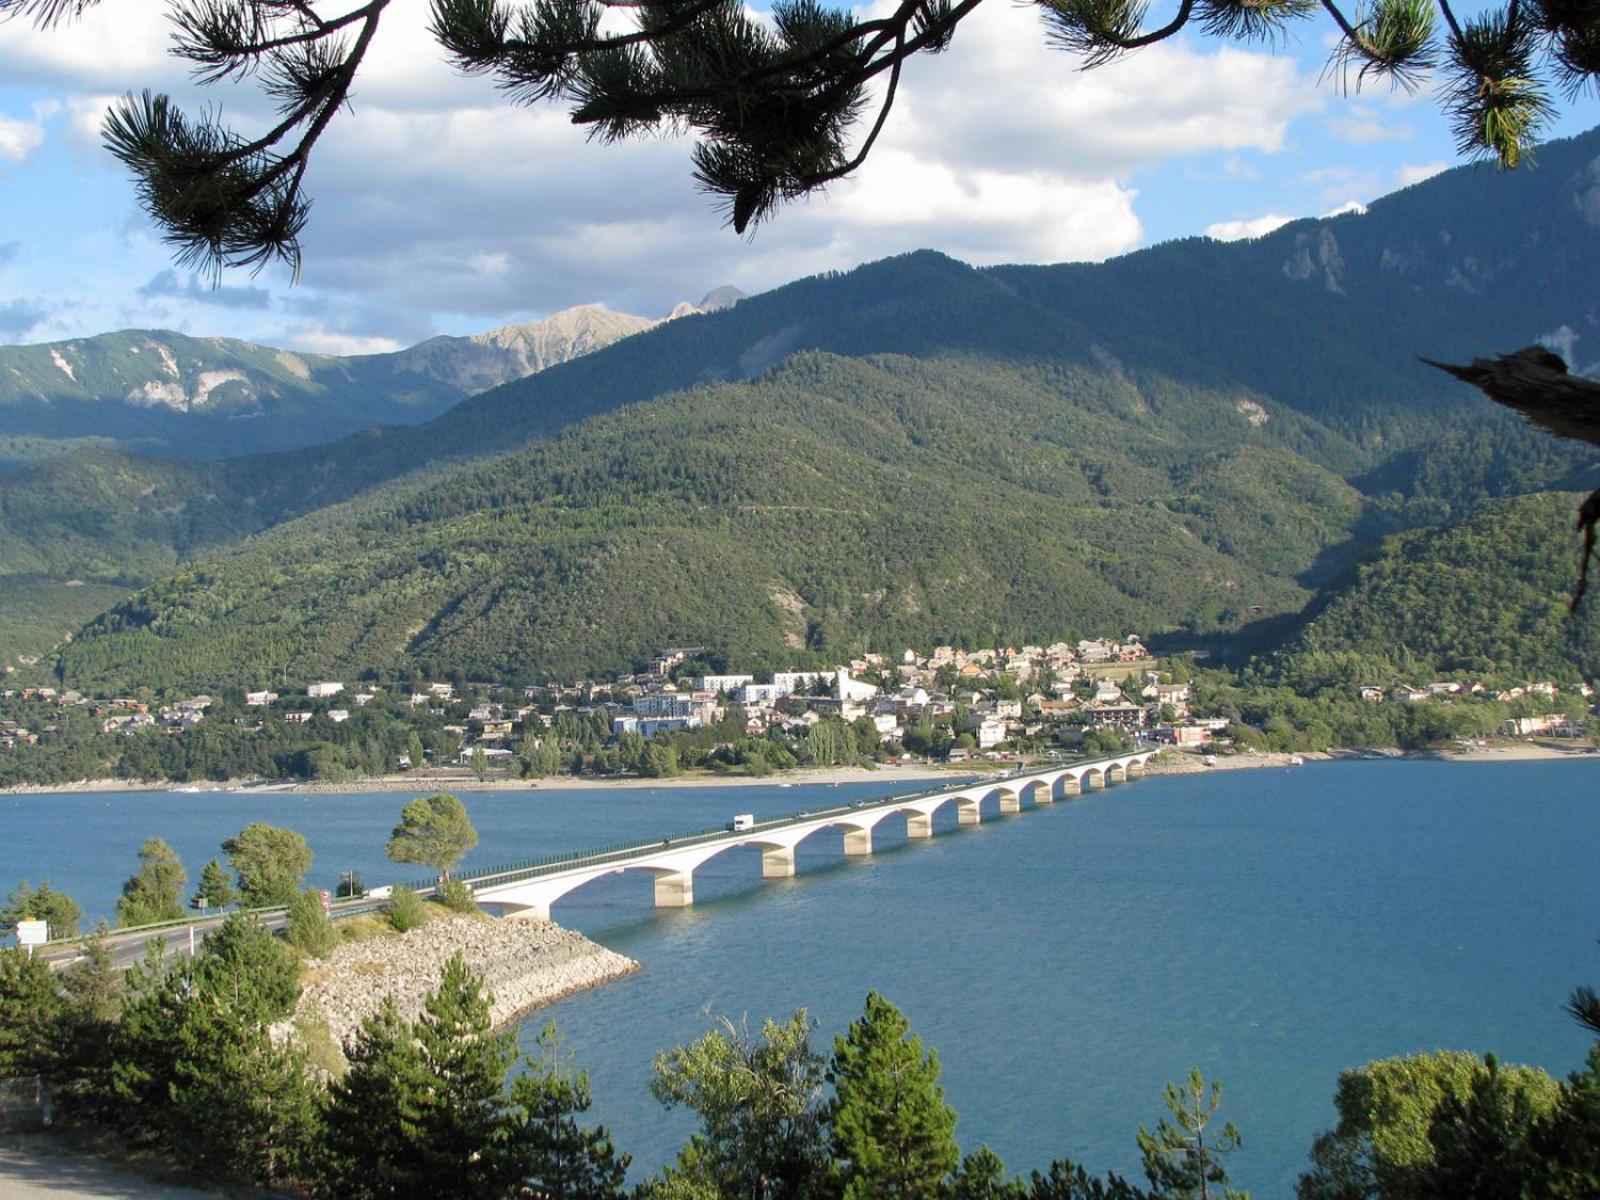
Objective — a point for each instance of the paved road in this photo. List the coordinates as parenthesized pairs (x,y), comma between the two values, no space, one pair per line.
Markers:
(37,1169)
(129,948)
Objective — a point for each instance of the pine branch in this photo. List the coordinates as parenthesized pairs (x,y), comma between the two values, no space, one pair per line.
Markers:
(1535,382)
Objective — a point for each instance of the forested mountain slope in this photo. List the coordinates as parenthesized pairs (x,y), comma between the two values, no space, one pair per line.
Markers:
(1487,596)
(1305,341)
(830,505)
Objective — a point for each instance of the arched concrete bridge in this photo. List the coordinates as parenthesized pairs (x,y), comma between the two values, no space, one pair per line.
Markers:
(529,889)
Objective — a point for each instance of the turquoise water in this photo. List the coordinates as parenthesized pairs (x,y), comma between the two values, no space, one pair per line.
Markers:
(1272,927)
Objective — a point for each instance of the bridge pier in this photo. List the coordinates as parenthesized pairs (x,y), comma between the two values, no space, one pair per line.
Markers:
(1010,802)
(968,812)
(1096,779)
(857,842)
(1043,793)
(1071,787)
(675,890)
(1116,774)
(777,862)
(919,825)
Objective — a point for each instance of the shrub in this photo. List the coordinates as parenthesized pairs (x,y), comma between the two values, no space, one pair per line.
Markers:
(456,896)
(406,910)
(309,930)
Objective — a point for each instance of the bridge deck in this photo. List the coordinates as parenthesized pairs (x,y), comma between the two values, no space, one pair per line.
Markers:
(591,863)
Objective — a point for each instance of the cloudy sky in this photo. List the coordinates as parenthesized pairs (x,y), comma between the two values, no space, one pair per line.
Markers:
(440,208)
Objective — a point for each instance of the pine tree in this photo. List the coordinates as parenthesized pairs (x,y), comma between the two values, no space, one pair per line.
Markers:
(1481,1142)
(59,910)
(372,1117)
(892,1129)
(422,1110)
(466,1110)
(155,892)
(139,1082)
(1178,1160)
(240,1105)
(559,1158)
(94,990)
(309,930)
(270,863)
(31,1012)
(763,1129)
(434,831)
(216,889)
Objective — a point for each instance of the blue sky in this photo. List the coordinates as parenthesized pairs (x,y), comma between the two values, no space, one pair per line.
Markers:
(439,208)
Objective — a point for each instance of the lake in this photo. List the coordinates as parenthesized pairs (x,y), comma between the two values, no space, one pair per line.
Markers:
(1271,926)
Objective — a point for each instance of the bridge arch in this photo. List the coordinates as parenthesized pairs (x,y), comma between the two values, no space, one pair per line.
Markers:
(531,890)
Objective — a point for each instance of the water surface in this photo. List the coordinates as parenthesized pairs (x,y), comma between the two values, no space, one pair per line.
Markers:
(1272,927)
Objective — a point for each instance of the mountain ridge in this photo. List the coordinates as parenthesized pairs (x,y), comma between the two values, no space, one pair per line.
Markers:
(165,392)
(1321,363)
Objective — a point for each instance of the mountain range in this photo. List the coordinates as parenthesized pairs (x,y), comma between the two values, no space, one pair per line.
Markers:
(166,393)
(1199,442)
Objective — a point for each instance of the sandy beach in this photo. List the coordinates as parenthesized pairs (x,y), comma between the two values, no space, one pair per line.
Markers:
(919,773)
(1175,762)
(1186,762)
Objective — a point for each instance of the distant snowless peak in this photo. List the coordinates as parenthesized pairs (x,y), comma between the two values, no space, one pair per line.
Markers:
(715,300)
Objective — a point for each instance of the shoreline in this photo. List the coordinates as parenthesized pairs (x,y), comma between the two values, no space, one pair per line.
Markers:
(409,783)
(524,964)
(1186,761)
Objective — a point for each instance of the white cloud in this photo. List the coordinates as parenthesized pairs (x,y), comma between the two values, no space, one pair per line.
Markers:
(1236,231)
(323,341)
(1410,173)
(440,205)
(19,139)
(85,116)
(1002,97)
(1360,125)
(1349,206)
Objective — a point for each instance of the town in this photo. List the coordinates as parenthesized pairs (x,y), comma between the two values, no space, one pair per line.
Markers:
(680,711)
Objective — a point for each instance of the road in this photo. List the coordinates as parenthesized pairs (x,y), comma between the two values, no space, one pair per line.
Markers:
(39,1169)
(131,947)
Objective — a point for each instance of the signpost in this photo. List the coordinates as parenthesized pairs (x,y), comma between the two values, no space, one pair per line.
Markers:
(327,900)
(32,933)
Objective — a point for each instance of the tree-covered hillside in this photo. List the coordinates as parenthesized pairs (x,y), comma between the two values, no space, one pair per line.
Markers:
(830,505)
(1187,363)
(1487,596)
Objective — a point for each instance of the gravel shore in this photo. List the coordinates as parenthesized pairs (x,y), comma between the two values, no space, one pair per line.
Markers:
(523,963)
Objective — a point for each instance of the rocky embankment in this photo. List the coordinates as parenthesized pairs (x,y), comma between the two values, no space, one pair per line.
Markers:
(523,964)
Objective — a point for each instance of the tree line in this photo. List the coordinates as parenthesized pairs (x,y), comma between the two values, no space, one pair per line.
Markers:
(178,1056)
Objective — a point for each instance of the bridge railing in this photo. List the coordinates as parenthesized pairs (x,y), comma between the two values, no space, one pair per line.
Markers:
(555,864)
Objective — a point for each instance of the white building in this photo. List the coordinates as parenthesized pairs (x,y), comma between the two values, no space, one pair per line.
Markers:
(721,683)
(991,732)
(853,690)
(319,691)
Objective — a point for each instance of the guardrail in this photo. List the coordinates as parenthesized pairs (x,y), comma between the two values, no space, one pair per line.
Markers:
(556,863)
(552,864)
(350,906)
